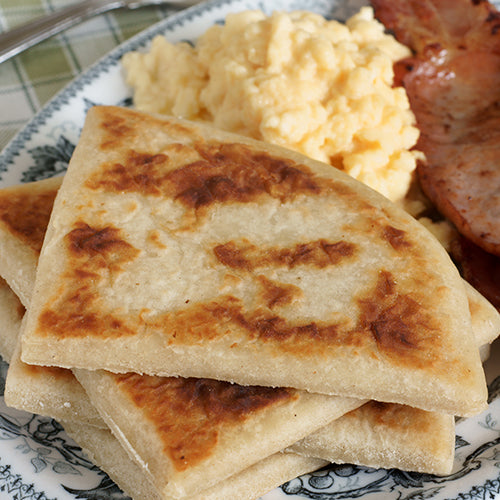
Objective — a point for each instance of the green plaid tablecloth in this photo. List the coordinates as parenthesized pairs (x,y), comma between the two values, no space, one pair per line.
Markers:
(30,79)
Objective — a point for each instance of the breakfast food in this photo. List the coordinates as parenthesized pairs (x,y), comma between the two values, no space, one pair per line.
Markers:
(220,418)
(191,232)
(381,430)
(22,237)
(139,202)
(246,90)
(453,83)
(195,433)
(453,101)
(249,484)
(47,390)
(322,88)
(386,435)
(480,268)
(24,214)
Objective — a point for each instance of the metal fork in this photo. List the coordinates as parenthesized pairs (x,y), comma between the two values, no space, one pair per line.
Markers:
(14,41)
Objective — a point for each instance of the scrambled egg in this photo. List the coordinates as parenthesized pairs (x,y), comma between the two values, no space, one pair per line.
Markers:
(320,87)
(420,207)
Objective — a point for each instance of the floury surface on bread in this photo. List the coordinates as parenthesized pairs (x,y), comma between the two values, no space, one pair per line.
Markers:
(386,435)
(55,391)
(190,434)
(24,214)
(249,484)
(220,419)
(173,246)
(376,434)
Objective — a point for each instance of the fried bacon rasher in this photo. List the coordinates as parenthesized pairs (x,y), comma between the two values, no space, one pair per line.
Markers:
(453,83)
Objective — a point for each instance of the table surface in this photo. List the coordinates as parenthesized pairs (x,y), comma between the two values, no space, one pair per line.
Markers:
(30,79)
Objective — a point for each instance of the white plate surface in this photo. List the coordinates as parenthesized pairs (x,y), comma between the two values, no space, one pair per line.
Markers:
(38,461)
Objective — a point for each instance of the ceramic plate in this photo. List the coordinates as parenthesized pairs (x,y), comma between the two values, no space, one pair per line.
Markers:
(38,461)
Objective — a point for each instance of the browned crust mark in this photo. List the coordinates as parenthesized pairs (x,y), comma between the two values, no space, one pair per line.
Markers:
(246,256)
(189,413)
(26,215)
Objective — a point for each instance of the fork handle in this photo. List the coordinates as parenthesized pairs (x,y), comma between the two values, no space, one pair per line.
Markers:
(14,41)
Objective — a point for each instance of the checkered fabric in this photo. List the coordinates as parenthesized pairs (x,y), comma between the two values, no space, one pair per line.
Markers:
(30,79)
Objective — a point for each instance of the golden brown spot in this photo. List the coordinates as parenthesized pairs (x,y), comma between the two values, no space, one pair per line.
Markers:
(397,322)
(278,294)
(390,323)
(140,173)
(189,413)
(120,126)
(116,129)
(396,237)
(222,173)
(234,173)
(104,245)
(77,323)
(27,215)
(155,238)
(246,256)
(94,253)
(236,257)
(208,321)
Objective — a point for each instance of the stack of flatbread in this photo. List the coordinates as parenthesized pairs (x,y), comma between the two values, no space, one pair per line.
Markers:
(209,314)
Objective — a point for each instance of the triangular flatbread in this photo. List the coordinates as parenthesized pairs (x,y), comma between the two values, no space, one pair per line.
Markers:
(190,434)
(44,388)
(375,435)
(24,214)
(251,264)
(386,435)
(105,450)
(25,211)
(37,389)
(222,420)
